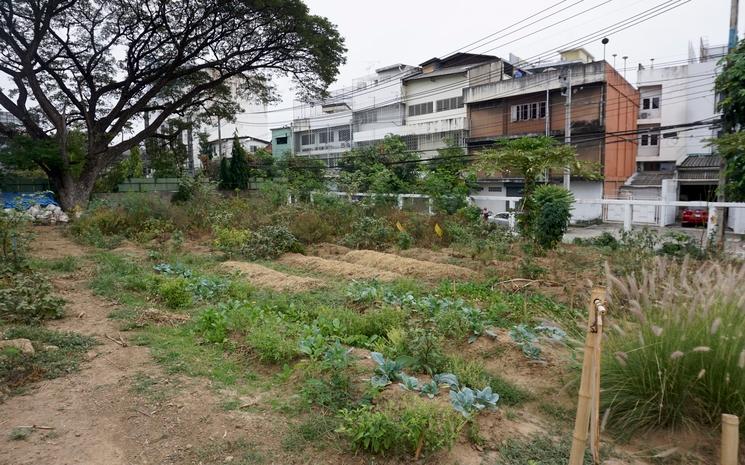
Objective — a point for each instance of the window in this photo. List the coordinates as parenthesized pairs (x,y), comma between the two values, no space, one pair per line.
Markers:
(344,135)
(495,188)
(282,140)
(651,103)
(366,117)
(307,139)
(650,139)
(325,137)
(421,109)
(528,111)
(450,104)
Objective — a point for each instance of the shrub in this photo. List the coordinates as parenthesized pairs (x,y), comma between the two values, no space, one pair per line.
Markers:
(273,339)
(309,227)
(270,242)
(332,390)
(14,239)
(422,349)
(369,233)
(404,240)
(26,297)
(175,292)
(554,207)
(213,326)
(680,357)
(402,428)
(230,240)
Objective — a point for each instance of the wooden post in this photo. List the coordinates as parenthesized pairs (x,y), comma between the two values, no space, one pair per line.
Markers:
(582,421)
(730,439)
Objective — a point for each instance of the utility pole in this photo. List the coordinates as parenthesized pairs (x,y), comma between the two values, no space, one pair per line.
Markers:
(190,147)
(733,25)
(566,86)
(219,137)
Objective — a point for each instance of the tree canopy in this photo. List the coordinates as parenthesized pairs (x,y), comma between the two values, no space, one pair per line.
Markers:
(101,66)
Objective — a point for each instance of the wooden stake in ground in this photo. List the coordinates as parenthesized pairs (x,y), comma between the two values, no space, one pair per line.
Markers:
(730,439)
(589,387)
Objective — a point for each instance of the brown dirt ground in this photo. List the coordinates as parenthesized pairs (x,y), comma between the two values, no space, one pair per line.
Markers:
(446,256)
(262,276)
(51,244)
(336,268)
(327,250)
(408,266)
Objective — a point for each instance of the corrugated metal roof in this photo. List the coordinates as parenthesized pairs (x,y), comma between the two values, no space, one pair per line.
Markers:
(701,161)
(650,178)
(699,175)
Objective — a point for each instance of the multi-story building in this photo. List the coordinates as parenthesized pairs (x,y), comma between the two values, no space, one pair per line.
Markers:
(601,105)
(672,155)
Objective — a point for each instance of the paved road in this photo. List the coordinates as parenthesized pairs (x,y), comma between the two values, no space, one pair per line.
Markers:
(735,244)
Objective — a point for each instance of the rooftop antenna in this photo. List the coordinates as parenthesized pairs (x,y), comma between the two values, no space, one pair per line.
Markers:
(604,42)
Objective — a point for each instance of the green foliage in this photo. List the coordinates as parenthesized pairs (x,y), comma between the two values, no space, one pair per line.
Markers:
(730,83)
(230,240)
(731,147)
(383,168)
(369,233)
(226,176)
(538,449)
(175,292)
(27,297)
(472,373)
(309,227)
(422,351)
(679,357)
(443,180)
(130,167)
(270,242)
(304,175)
(240,171)
(15,237)
(20,434)
(213,326)
(166,160)
(18,369)
(401,428)
(530,157)
(193,189)
(468,402)
(553,205)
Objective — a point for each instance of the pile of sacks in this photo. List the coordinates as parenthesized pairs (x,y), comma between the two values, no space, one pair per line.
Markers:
(50,214)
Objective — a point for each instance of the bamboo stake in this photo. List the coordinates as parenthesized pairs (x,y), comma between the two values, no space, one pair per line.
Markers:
(730,438)
(595,422)
(582,421)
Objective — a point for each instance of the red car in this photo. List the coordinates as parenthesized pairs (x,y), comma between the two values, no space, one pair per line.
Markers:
(695,217)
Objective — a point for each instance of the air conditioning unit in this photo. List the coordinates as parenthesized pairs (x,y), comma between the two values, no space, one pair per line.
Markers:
(644,115)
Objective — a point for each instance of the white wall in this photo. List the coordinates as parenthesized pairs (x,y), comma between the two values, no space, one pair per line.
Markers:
(586,190)
(687,96)
(736,220)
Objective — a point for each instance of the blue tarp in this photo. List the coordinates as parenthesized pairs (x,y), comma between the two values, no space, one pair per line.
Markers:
(20,201)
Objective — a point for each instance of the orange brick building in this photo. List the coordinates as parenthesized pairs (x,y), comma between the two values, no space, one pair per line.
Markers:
(603,113)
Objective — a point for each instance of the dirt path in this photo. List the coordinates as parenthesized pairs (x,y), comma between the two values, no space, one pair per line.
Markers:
(98,414)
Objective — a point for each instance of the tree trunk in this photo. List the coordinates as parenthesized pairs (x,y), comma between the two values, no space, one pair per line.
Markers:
(74,194)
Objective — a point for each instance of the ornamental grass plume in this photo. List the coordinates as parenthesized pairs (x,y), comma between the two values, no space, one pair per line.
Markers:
(681,330)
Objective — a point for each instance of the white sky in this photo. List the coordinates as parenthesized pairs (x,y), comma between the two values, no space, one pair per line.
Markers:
(411,31)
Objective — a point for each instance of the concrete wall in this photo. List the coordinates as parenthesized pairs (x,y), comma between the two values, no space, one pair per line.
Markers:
(586,190)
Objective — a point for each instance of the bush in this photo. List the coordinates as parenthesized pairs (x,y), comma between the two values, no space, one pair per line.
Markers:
(175,292)
(14,239)
(554,207)
(473,374)
(680,357)
(310,228)
(213,326)
(273,339)
(229,240)
(369,233)
(26,297)
(270,242)
(402,427)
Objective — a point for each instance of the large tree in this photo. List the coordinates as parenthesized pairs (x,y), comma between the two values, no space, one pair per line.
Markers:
(731,144)
(118,69)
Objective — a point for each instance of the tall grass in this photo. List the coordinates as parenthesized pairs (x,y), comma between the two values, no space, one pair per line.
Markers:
(677,355)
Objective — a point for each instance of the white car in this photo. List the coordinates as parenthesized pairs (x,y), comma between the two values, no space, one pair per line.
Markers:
(504,219)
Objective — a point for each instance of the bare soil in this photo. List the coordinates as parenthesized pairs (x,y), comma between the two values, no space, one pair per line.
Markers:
(262,276)
(336,268)
(408,266)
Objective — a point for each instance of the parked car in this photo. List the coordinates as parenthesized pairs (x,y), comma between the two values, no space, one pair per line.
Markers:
(502,218)
(694,217)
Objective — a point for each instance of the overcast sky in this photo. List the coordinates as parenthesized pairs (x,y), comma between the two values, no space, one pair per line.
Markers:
(411,31)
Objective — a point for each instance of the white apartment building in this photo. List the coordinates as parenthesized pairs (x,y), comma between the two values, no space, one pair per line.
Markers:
(671,96)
